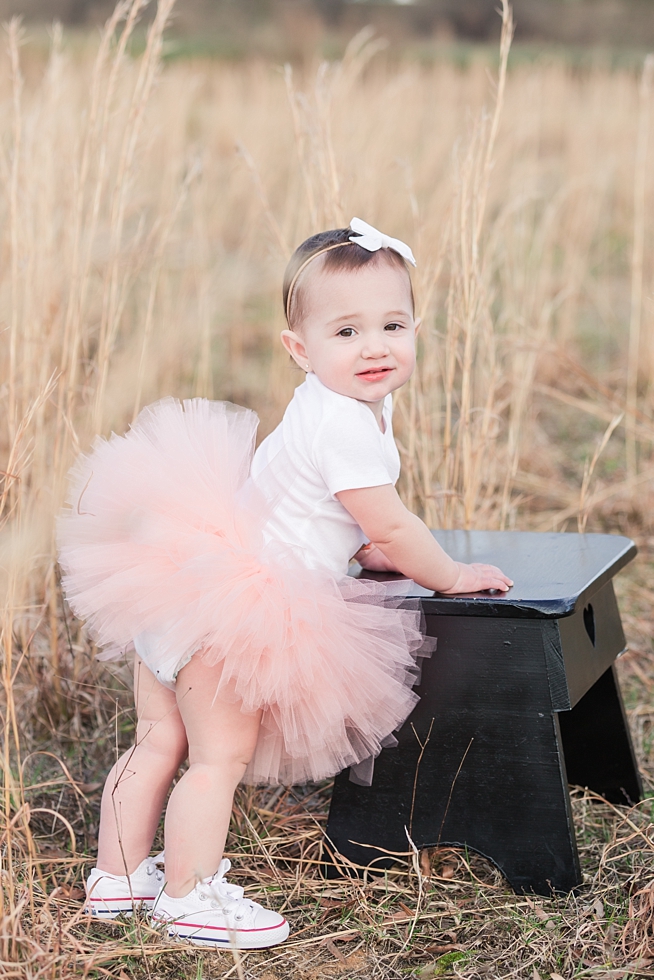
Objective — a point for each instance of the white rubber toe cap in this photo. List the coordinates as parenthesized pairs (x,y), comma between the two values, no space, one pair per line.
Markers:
(267,919)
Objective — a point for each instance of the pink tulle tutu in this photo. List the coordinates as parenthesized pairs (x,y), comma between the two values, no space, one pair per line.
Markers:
(165,535)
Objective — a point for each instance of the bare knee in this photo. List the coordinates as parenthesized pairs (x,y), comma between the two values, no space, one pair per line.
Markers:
(206,777)
(165,737)
(235,756)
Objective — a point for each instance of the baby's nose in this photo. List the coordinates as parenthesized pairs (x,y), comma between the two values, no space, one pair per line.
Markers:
(375,348)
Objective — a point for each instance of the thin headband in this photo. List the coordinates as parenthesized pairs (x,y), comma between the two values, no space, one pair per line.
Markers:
(301,269)
(367,237)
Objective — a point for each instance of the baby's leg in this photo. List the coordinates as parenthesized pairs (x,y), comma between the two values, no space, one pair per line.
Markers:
(221,742)
(136,787)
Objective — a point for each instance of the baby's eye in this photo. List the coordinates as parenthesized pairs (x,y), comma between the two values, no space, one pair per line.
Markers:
(346,332)
(393,326)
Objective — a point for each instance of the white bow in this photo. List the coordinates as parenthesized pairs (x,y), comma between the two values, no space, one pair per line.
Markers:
(372,239)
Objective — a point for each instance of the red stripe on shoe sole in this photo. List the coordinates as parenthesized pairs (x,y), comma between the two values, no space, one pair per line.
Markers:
(195,925)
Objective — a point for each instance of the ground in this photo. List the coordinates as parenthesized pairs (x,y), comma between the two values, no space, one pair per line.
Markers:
(444,913)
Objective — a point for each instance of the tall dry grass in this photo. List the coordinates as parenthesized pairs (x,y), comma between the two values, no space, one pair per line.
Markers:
(146,214)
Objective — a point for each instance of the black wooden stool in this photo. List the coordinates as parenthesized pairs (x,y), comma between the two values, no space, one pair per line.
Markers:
(519,699)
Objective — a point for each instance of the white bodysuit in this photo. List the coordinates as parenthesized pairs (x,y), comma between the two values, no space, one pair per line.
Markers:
(325,443)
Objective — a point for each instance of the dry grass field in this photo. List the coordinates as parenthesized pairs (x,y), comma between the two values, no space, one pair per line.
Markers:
(146,213)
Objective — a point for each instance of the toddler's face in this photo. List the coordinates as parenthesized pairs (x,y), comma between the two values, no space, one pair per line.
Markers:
(358,331)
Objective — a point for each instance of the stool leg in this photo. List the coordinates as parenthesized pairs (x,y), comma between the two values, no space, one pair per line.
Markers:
(523,823)
(597,743)
(479,764)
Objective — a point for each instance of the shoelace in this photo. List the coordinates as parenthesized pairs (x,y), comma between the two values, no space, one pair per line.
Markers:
(225,896)
(152,869)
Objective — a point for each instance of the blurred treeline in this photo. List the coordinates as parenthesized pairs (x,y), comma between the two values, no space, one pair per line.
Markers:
(289,27)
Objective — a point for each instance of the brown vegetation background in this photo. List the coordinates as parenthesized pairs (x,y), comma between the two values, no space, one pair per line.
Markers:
(238,26)
(147,208)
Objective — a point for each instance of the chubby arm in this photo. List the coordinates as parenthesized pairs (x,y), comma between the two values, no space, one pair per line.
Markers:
(409,547)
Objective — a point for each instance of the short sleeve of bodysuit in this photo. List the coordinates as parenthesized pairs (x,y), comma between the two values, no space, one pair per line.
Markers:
(348,450)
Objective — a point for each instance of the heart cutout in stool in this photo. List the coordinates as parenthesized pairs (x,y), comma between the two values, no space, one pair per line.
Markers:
(589,622)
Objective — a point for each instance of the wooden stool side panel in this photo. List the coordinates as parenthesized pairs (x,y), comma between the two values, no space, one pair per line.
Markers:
(591,639)
(478,764)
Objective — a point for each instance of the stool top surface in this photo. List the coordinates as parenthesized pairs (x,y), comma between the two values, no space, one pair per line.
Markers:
(554,573)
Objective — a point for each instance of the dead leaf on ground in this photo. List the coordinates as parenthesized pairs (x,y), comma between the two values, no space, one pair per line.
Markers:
(336,953)
(69,892)
(394,916)
(425,864)
(46,851)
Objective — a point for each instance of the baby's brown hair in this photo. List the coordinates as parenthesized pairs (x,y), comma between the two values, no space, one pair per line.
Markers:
(350,257)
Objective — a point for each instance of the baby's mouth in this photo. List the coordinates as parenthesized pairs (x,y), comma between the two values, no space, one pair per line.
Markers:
(374,374)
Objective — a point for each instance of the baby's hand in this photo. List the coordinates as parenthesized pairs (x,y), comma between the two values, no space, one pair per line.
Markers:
(479,578)
(373,559)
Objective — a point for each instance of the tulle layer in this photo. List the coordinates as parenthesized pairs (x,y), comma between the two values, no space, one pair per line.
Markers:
(164,535)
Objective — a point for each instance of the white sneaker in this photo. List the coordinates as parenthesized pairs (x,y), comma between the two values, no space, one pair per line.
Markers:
(108,895)
(215,913)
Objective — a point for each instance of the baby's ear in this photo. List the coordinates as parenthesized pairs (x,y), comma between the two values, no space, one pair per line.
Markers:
(295,346)
(418,324)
